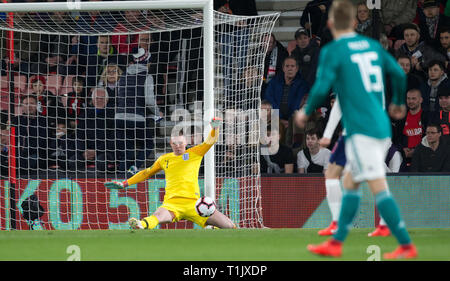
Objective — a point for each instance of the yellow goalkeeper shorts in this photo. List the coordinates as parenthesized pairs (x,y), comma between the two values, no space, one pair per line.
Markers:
(184,209)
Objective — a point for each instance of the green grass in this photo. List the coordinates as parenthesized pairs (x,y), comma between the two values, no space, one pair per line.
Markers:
(205,245)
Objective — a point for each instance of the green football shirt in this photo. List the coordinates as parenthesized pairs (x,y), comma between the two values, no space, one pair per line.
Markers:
(354,67)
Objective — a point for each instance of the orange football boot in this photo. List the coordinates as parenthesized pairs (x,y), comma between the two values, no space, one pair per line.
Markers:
(329,248)
(381,230)
(330,230)
(402,252)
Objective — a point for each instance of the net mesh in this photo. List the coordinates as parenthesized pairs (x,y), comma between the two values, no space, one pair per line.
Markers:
(94,96)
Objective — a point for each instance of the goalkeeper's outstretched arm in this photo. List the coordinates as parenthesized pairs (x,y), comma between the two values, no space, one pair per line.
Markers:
(212,138)
(139,177)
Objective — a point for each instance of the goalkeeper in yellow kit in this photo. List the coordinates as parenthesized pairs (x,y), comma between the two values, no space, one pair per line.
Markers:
(182,190)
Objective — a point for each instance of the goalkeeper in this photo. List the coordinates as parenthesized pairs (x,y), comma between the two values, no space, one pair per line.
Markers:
(182,190)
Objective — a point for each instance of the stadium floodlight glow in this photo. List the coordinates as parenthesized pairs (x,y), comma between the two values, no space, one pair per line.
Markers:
(200,58)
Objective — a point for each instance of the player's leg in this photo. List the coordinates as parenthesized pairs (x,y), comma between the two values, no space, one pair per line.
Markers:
(350,201)
(334,195)
(161,215)
(389,210)
(381,230)
(350,204)
(219,220)
(333,184)
(368,165)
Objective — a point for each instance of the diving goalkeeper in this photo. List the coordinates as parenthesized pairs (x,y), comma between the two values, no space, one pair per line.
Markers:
(182,190)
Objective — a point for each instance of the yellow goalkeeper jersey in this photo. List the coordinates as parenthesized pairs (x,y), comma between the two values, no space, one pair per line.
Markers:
(181,171)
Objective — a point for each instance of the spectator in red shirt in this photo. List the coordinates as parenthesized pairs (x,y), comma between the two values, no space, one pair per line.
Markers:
(410,130)
(125,43)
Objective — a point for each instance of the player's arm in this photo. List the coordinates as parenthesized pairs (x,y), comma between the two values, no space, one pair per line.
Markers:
(139,177)
(333,121)
(212,138)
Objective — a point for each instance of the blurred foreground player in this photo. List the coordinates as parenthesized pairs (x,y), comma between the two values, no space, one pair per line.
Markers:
(357,75)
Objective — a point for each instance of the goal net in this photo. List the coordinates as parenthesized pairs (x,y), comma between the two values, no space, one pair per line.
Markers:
(90,94)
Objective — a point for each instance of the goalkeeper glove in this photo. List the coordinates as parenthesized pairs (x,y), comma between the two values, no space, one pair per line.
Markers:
(116,185)
(215,122)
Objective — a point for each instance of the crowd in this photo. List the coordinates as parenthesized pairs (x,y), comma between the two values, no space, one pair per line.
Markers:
(103,119)
(417,34)
(87,102)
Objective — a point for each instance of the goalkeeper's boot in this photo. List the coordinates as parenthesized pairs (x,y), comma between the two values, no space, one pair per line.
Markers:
(402,252)
(135,223)
(381,230)
(330,230)
(329,248)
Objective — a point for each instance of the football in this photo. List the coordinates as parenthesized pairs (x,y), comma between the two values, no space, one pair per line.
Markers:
(205,206)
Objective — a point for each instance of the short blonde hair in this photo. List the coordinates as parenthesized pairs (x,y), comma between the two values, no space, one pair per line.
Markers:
(343,13)
(104,76)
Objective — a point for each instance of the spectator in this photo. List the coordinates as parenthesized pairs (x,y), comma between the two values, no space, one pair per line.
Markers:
(431,155)
(419,10)
(96,62)
(307,55)
(89,23)
(246,94)
(253,77)
(76,100)
(441,117)
(315,16)
(135,99)
(287,92)
(444,46)
(276,158)
(95,136)
(31,136)
(431,22)
(420,53)
(26,48)
(396,13)
(273,62)
(410,130)
(437,79)
(20,66)
(75,59)
(265,113)
(48,104)
(366,24)
(236,7)
(53,48)
(313,158)
(124,43)
(158,51)
(109,79)
(62,147)
(414,81)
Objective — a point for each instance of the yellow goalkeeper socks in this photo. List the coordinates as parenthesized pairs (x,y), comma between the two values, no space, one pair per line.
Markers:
(149,222)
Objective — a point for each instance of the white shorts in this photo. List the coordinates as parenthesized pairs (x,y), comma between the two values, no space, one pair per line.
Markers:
(366,157)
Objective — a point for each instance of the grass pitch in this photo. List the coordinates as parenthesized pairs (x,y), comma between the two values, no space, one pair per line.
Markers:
(207,245)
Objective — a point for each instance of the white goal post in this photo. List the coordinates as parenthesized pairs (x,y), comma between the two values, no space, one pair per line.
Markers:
(230,45)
